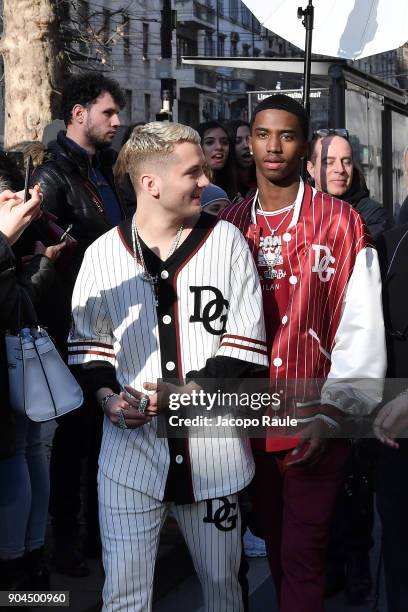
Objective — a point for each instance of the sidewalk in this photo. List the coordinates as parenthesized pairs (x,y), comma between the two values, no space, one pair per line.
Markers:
(176,586)
(173,566)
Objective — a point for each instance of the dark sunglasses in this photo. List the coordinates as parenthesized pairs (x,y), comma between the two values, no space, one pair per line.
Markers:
(332,131)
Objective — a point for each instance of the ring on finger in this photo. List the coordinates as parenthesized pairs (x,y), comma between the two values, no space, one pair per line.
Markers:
(143,404)
(121,419)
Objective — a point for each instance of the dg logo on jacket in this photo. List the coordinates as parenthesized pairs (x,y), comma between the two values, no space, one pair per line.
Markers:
(323,259)
(213,310)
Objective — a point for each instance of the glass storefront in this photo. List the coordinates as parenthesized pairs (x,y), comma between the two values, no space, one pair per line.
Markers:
(319,103)
(400,142)
(363,121)
(366,112)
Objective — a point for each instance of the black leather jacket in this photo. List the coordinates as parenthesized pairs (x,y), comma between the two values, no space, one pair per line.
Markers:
(69,192)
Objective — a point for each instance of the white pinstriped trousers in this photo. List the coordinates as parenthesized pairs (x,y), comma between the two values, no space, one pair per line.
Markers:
(130,524)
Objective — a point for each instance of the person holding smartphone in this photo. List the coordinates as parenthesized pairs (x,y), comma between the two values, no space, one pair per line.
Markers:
(24,481)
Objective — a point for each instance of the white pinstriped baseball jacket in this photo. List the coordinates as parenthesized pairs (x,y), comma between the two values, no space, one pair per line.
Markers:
(333,325)
(209,312)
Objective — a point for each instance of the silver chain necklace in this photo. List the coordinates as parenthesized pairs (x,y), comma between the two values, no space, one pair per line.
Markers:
(137,250)
(271,245)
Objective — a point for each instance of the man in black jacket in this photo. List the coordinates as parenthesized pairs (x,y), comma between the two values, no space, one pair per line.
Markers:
(78,186)
(77,178)
(391,424)
(331,166)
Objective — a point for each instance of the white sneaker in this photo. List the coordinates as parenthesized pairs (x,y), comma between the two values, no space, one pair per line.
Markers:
(253,546)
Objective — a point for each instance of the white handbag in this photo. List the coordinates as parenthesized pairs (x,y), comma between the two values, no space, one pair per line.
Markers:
(41,385)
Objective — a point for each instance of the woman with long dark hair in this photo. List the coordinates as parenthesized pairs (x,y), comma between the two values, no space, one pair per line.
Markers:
(219,154)
(239,134)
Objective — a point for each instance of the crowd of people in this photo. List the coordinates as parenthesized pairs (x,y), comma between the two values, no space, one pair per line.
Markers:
(192,258)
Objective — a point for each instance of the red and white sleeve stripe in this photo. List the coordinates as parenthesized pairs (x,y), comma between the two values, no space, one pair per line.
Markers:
(241,342)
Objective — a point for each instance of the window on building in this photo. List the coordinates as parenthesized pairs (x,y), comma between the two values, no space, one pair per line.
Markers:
(106,25)
(221,45)
(234,36)
(145,41)
(185,46)
(83,14)
(245,16)
(127,110)
(208,44)
(147,99)
(126,33)
(233,7)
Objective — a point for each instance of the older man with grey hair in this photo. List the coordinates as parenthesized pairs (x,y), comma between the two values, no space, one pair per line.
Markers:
(334,171)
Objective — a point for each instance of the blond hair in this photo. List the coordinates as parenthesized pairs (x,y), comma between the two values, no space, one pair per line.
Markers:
(153,141)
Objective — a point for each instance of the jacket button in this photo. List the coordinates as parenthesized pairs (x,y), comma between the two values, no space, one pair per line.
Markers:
(179,459)
(287,237)
(164,274)
(166,319)
(293,280)
(170,365)
(277,362)
(284,319)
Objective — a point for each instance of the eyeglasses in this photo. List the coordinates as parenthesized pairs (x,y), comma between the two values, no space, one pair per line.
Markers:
(332,132)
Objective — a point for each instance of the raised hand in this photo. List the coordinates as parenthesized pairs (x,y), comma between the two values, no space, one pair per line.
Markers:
(16,215)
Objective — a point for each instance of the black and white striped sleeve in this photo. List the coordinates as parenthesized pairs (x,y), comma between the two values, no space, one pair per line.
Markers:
(90,338)
(244,336)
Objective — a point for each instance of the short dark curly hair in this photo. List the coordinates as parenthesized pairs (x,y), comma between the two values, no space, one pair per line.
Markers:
(84,89)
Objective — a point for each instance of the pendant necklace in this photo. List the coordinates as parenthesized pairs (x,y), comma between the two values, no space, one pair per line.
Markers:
(271,245)
(152,279)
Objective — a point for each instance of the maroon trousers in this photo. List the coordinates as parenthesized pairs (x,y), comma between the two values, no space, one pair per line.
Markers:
(293,506)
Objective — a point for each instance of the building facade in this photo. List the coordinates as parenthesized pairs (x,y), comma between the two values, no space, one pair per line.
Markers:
(142,45)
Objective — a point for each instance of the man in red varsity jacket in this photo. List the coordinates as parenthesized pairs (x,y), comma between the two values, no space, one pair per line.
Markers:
(322,301)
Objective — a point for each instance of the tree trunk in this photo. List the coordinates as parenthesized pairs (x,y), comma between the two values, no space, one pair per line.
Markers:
(32,68)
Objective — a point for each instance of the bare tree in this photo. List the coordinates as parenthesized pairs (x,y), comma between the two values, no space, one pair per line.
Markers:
(33,64)
(44,40)
(88,32)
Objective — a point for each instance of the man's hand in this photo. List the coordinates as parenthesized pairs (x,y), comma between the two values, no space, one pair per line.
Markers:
(128,403)
(163,390)
(15,214)
(52,252)
(312,444)
(392,421)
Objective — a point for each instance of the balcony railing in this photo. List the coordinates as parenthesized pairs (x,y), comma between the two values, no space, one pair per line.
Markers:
(204,12)
(194,12)
(195,78)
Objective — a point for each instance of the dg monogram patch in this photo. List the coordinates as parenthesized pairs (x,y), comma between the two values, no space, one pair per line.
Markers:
(222,518)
